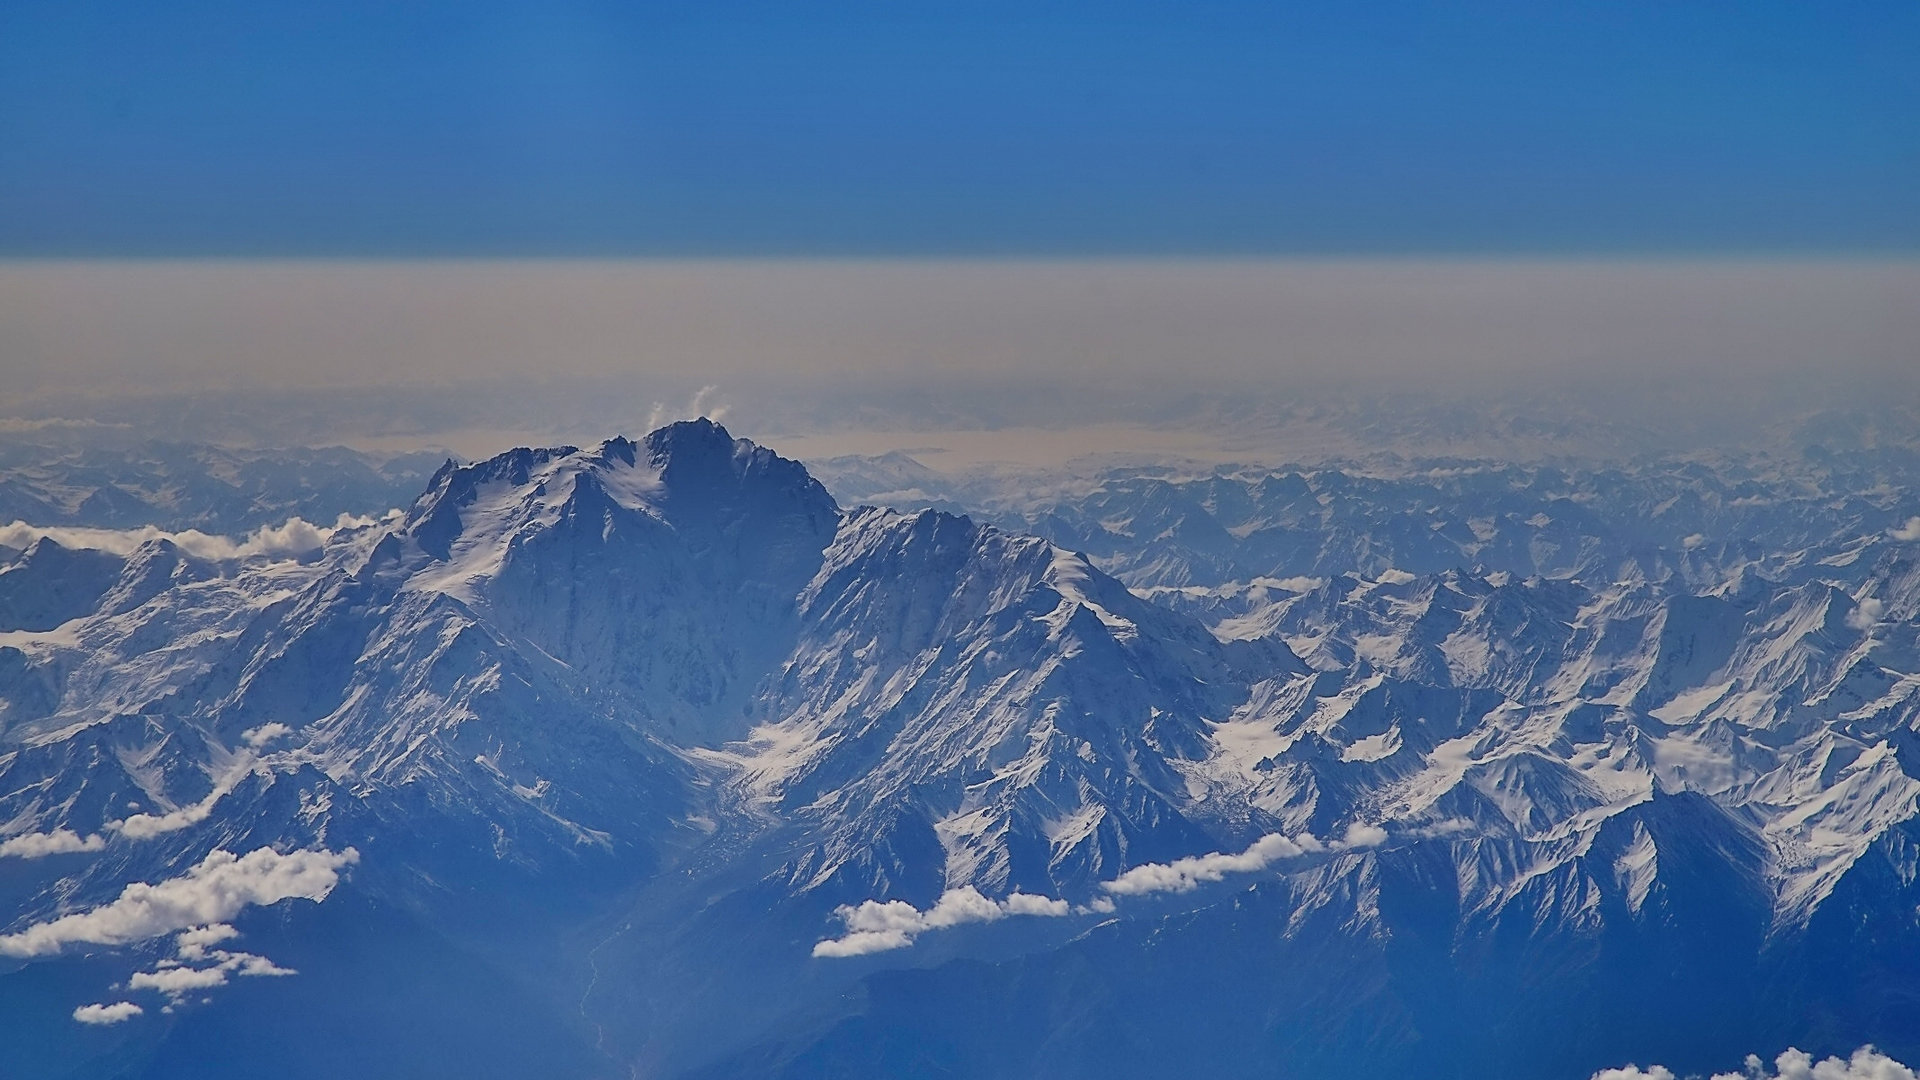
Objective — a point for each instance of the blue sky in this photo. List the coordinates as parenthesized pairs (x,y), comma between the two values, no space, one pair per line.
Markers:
(428,127)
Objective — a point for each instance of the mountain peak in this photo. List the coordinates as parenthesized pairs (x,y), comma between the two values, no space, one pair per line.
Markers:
(699,460)
(700,429)
(693,473)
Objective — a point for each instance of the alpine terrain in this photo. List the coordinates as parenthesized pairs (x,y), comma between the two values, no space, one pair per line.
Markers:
(652,760)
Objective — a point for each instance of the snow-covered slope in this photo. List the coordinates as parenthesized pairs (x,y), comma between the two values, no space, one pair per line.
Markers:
(654,749)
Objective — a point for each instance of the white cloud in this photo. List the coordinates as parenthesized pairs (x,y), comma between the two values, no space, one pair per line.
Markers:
(1866,613)
(1453,826)
(1908,532)
(882,926)
(175,981)
(142,826)
(962,905)
(14,425)
(193,944)
(1290,584)
(294,538)
(253,965)
(877,926)
(57,842)
(264,734)
(1028,904)
(148,826)
(178,980)
(703,403)
(1184,875)
(220,887)
(1361,835)
(1865,1064)
(862,942)
(107,1014)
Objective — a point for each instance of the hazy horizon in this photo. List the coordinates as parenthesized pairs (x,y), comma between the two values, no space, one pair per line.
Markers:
(474,354)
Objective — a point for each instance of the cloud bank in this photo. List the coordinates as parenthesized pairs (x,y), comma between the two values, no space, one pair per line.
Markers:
(1185,875)
(879,927)
(220,887)
(882,926)
(290,540)
(57,842)
(1865,1064)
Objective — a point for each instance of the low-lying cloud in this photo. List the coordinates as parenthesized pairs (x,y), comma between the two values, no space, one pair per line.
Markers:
(177,978)
(1865,1064)
(57,842)
(20,425)
(1867,613)
(1185,875)
(198,965)
(193,944)
(115,1013)
(875,926)
(220,887)
(148,826)
(290,540)
(142,826)
(175,981)
(264,734)
(1298,584)
(882,926)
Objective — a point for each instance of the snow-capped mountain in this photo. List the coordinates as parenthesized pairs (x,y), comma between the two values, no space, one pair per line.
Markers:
(101,477)
(1187,529)
(650,759)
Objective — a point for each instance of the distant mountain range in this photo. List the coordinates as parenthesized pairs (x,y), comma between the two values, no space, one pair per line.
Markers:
(651,759)
(128,483)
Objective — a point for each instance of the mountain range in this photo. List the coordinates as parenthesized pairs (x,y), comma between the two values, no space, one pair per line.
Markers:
(652,759)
